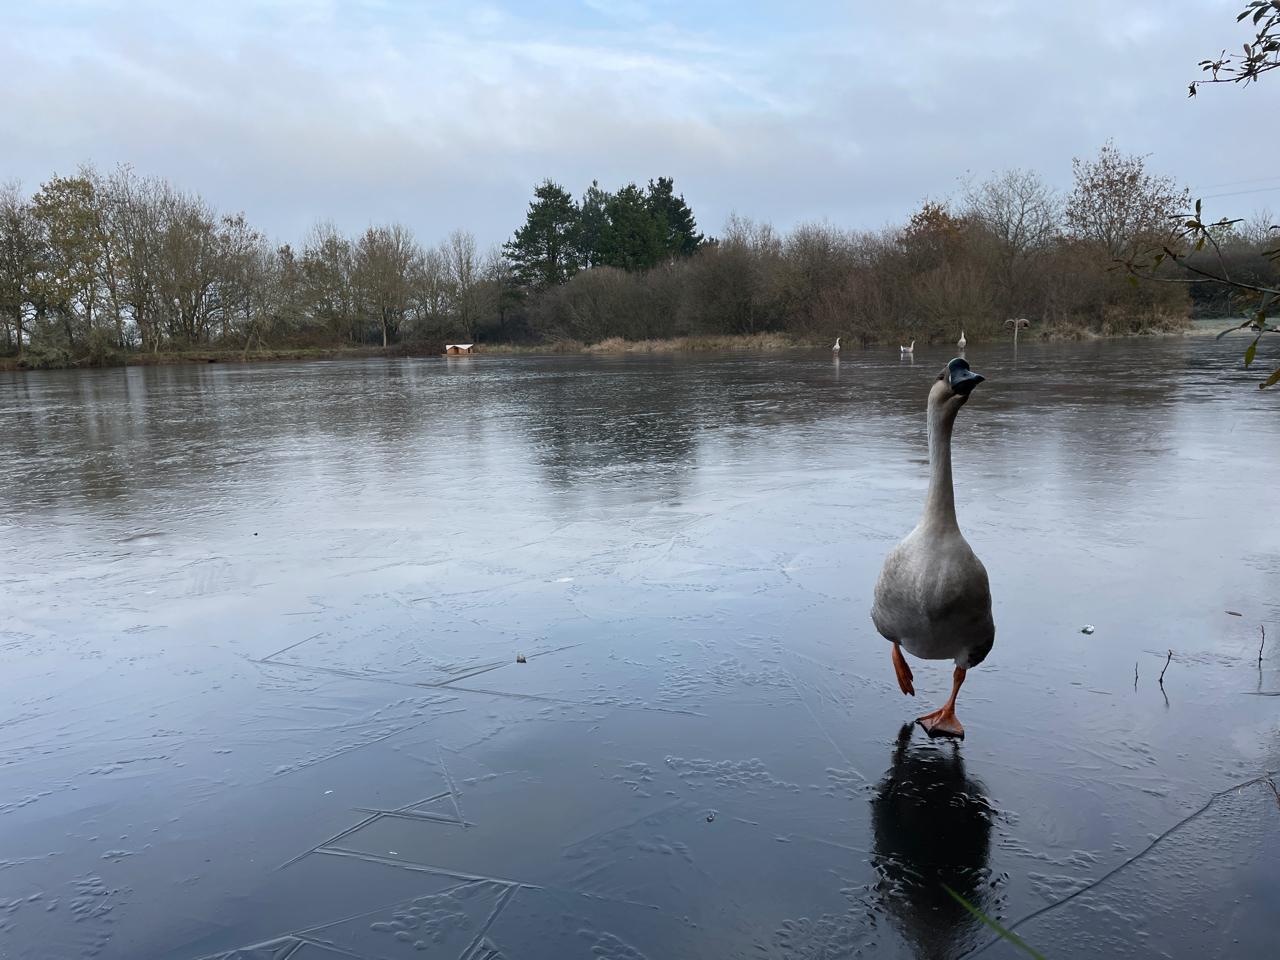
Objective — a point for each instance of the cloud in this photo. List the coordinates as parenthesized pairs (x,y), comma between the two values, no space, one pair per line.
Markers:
(442,115)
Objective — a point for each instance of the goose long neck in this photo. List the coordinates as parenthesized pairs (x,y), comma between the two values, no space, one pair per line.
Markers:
(940,502)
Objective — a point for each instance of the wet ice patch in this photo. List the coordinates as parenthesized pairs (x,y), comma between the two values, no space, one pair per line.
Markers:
(636,776)
(728,774)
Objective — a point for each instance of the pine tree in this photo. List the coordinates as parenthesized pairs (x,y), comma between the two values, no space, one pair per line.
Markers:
(544,252)
(676,226)
(593,223)
(632,240)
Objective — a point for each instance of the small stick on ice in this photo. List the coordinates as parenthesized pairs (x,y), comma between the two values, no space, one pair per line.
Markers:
(1135,675)
(1262,643)
(1166,667)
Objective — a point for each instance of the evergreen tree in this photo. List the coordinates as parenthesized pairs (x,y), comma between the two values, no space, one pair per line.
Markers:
(544,252)
(676,226)
(593,223)
(632,240)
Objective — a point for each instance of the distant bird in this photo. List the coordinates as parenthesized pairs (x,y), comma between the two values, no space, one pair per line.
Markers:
(933,596)
(836,348)
(1020,324)
(908,350)
(962,342)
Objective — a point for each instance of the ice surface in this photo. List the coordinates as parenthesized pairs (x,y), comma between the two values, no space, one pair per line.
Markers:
(259,627)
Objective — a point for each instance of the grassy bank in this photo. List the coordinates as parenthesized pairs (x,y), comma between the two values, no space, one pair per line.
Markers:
(746,343)
(694,344)
(63,360)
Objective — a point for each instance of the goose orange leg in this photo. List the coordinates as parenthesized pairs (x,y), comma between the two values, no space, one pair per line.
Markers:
(903,672)
(943,721)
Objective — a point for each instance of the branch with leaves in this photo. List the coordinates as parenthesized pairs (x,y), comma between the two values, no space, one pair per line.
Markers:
(1256,58)
(1193,235)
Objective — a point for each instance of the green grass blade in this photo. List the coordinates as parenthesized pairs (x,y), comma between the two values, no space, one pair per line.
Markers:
(1009,935)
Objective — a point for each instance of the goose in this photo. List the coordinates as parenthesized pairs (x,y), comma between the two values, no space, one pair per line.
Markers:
(933,596)
(962,342)
(910,349)
(836,348)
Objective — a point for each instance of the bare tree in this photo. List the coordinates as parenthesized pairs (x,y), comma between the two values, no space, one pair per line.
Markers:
(245,280)
(20,261)
(462,266)
(328,268)
(1262,229)
(738,291)
(502,289)
(1022,215)
(188,267)
(1118,205)
(818,258)
(385,259)
(133,215)
(432,301)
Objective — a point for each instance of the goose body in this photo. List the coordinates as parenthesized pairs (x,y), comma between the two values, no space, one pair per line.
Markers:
(910,349)
(836,348)
(933,598)
(962,342)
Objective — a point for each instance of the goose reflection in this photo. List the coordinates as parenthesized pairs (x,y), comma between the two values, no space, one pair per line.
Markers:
(932,826)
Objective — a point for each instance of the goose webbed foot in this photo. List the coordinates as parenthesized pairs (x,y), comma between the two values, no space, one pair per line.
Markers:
(943,722)
(903,672)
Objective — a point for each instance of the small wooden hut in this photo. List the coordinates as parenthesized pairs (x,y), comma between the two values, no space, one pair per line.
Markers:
(459,349)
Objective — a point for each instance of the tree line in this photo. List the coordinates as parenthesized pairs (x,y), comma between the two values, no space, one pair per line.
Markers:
(97,265)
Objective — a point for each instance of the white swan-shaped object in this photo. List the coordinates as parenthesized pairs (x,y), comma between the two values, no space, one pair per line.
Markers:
(962,342)
(933,597)
(836,348)
(1020,324)
(910,349)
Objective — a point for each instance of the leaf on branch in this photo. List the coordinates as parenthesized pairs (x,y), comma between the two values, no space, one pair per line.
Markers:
(1251,352)
(1271,381)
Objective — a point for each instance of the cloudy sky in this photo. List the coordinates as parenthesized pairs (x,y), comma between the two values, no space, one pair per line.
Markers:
(443,115)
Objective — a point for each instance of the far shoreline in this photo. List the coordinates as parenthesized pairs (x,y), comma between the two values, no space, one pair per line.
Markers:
(741,343)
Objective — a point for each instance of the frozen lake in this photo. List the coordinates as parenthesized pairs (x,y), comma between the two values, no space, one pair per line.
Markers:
(260,698)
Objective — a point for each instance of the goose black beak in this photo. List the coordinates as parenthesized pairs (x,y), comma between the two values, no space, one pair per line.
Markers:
(961,378)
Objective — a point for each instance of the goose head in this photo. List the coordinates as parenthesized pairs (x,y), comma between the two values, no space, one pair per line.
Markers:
(953,386)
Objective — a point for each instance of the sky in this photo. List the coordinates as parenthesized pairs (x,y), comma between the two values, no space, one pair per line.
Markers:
(445,115)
